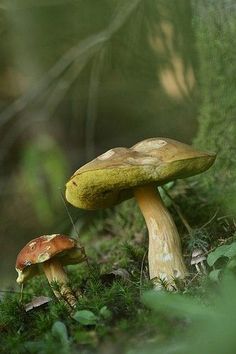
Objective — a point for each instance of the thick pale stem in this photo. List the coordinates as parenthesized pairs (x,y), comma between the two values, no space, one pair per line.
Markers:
(164,255)
(55,273)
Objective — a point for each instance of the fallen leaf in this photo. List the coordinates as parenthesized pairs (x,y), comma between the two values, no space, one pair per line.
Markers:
(37,302)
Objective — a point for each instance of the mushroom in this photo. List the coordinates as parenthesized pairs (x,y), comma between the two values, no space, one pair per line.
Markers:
(198,258)
(122,173)
(48,254)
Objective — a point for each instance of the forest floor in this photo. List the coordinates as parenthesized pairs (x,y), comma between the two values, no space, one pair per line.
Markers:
(118,312)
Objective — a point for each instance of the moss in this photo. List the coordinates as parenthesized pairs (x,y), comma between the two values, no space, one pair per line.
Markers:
(215,26)
(117,240)
(32,332)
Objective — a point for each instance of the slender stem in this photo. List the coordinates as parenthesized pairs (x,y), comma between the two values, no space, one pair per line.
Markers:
(55,273)
(21,292)
(179,211)
(164,255)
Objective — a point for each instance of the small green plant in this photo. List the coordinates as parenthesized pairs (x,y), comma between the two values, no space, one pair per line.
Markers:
(206,326)
(223,258)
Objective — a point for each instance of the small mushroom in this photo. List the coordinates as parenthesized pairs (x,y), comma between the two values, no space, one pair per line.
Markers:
(122,173)
(197,260)
(48,254)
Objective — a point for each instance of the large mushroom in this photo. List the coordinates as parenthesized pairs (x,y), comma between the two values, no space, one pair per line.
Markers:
(122,173)
(48,254)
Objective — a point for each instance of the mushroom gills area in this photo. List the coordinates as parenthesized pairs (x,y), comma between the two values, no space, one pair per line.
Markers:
(56,274)
(164,254)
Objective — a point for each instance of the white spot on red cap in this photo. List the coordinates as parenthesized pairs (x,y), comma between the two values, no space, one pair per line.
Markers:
(27,263)
(32,245)
(49,237)
(42,257)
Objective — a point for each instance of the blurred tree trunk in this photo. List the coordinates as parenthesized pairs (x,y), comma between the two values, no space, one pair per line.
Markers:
(215,25)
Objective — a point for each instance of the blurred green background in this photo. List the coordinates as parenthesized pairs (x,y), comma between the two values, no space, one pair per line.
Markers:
(80,77)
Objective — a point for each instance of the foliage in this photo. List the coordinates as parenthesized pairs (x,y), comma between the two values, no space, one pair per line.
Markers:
(206,327)
(44,172)
(222,259)
(228,251)
(85,317)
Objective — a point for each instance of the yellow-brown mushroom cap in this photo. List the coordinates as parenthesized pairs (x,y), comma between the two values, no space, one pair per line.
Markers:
(110,178)
(41,249)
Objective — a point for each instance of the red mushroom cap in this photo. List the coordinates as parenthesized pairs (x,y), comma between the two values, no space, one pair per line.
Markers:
(43,248)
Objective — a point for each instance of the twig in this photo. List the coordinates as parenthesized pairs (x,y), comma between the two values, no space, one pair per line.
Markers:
(74,227)
(52,102)
(225,217)
(210,220)
(21,292)
(179,212)
(10,291)
(182,217)
(65,83)
(193,278)
(92,44)
(33,4)
(68,213)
